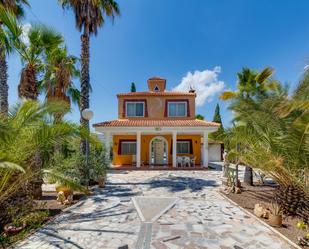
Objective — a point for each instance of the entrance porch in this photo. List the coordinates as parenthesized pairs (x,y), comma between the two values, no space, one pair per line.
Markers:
(158,148)
(158,167)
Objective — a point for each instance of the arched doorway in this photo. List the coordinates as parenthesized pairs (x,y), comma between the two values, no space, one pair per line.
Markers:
(158,151)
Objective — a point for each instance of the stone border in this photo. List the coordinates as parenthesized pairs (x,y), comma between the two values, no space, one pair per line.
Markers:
(160,213)
(261,221)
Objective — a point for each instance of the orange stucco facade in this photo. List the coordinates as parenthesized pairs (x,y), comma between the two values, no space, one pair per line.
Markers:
(151,123)
(156,106)
(119,160)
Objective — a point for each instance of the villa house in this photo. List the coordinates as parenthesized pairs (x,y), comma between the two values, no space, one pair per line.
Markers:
(157,128)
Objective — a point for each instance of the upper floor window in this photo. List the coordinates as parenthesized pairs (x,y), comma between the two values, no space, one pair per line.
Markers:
(177,109)
(135,109)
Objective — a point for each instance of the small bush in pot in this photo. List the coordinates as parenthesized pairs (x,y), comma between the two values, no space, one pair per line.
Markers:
(275,215)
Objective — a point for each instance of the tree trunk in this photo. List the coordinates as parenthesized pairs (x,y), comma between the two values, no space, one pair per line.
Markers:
(35,183)
(248,178)
(306,178)
(4,88)
(28,87)
(294,200)
(84,84)
(84,94)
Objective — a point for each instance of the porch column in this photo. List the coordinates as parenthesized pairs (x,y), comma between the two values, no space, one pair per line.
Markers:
(138,149)
(174,148)
(205,150)
(107,137)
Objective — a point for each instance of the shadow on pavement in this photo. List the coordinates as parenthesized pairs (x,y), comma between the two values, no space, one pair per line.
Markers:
(179,183)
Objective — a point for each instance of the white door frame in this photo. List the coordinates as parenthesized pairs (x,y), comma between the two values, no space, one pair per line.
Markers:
(150,143)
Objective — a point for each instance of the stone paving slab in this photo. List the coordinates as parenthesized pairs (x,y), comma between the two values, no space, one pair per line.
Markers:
(151,208)
(201,218)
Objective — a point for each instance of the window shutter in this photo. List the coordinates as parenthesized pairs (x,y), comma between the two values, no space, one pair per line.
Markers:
(146,109)
(188,109)
(119,147)
(124,109)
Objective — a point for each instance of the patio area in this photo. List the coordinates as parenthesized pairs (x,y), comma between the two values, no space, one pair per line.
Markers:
(199,217)
(157,167)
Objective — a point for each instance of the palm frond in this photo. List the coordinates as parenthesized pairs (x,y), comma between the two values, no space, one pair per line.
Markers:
(264,75)
(11,166)
(228,95)
(58,177)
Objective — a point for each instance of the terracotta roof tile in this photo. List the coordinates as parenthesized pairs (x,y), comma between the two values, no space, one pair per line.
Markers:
(165,93)
(156,123)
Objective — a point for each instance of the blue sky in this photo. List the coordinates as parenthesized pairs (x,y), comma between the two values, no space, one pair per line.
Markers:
(209,39)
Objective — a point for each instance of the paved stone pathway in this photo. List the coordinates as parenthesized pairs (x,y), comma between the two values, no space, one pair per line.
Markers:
(201,217)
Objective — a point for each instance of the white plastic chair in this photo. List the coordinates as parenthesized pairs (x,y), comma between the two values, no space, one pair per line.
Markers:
(179,161)
(186,161)
(192,161)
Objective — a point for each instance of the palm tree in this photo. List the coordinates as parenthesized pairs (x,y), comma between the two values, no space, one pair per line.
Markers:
(15,6)
(89,16)
(273,135)
(27,132)
(251,85)
(60,69)
(41,40)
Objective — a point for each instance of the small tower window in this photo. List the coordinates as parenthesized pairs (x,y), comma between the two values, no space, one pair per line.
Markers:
(156,88)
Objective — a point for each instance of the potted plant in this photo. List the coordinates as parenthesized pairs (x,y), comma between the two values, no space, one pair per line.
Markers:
(275,215)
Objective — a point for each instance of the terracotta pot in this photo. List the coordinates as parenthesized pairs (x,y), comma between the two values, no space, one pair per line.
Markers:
(275,220)
(66,191)
(12,229)
(101,181)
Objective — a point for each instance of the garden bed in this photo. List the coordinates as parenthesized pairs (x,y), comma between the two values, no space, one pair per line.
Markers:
(48,203)
(251,195)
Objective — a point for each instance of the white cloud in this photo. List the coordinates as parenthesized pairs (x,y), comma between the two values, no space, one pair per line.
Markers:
(24,36)
(205,83)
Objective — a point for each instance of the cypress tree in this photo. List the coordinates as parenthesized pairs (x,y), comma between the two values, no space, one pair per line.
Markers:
(133,88)
(217,116)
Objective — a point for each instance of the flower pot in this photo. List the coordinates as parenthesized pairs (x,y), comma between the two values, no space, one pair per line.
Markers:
(101,181)
(275,220)
(11,229)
